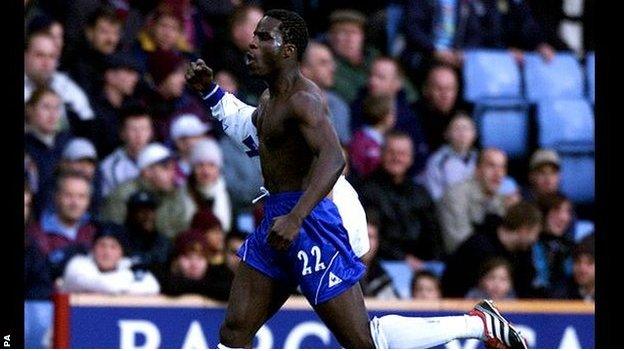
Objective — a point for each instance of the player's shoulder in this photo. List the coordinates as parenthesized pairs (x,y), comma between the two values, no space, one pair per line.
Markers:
(306,99)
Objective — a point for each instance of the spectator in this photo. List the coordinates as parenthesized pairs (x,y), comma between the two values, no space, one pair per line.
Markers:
(439,104)
(136,131)
(147,247)
(495,281)
(242,175)
(233,242)
(455,161)
(242,24)
(376,282)
(38,280)
(47,25)
(41,57)
(552,254)
(186,131)
(512,239)
(386,79)
(205,189)
(163,33)
(65,231)
(365,148)
(106,269)
(409,229)
(582,286)
(353,59)
(522,32)
(208,224)
(426,286)
(550,16)
(319,66)
(157,174)
(169,99)
(466,204)
(544,176)
(190,271)
(86,61)
(78,156)
(31,173)
(43,141)
(115,99)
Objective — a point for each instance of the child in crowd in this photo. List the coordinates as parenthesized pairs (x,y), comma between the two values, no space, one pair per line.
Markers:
(455,161)
(495,281)
(426,286)
(365,147)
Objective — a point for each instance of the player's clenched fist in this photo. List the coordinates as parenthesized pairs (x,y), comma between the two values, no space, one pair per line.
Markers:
(199,76)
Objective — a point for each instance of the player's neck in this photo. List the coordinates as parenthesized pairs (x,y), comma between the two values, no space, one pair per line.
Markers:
(283,80)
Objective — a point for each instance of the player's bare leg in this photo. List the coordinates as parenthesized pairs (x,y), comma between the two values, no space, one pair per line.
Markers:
(254,299)
(346,317)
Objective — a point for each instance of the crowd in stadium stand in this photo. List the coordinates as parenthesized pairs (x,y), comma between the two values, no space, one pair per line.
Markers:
(132,188)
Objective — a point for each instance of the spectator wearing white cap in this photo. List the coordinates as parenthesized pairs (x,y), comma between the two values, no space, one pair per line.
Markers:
(186,131)
(121,166)
(544,175)
(206,187)
(157,175)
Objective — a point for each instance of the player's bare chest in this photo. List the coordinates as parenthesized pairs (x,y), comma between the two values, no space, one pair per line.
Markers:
(274,124)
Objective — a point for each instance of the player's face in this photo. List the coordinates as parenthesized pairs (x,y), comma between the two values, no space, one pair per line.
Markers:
(263,55)
(41,59)
(107,253)
(73,199)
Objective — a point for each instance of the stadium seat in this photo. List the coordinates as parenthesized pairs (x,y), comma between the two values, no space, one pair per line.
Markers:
(560,78)
(578,176)
(590,69)
(564,121)
(401,275)
(582,228)
(504,125)
(490,74)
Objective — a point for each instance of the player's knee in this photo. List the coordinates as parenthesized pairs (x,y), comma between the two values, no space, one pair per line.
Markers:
(236,333)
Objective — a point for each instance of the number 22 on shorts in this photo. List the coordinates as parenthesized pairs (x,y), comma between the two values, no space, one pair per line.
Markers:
(316,252)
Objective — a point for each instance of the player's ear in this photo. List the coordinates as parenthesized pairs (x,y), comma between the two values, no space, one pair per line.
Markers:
(289,51)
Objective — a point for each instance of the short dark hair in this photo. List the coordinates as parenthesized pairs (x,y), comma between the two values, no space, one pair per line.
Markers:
(521,215)
(396,134)
(103,13)
(492,263)
(376,108)
(293,28)
(423,274)
(548,202)
(132,110)
(399,70)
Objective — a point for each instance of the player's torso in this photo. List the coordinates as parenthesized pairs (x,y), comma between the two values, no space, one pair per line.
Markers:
(284,154)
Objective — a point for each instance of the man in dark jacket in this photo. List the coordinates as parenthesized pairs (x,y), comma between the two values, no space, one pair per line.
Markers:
(409,229)
(512,239)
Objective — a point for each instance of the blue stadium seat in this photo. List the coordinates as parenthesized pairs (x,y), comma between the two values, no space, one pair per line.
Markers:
(401,274)
(38,317)
(504,125)
(560,78)
(590,69)
(563,121)
(582,228)
(490,74)
(578,176)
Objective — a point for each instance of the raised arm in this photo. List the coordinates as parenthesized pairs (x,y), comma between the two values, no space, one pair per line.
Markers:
(311,114)
(237,118)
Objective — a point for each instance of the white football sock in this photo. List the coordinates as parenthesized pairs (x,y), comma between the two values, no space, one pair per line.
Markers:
(398,332)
